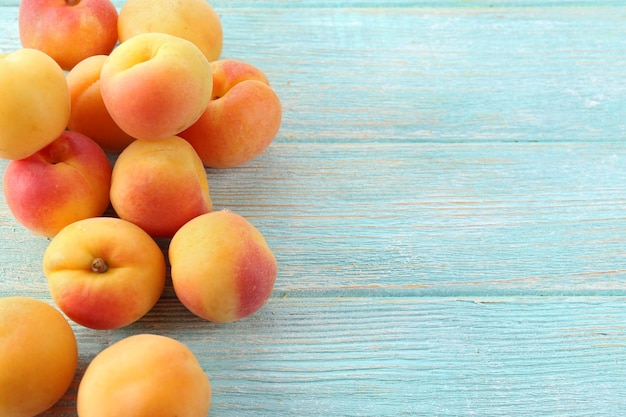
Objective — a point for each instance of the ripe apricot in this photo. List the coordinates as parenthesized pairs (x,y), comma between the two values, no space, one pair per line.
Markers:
(38,356)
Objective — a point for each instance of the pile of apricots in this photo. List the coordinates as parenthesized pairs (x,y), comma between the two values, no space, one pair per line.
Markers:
(106,110)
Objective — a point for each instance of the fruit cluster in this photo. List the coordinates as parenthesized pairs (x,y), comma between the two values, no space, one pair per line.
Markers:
(123,112)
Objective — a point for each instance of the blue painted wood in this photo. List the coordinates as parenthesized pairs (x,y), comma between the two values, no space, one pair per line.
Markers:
(406,356)
(440,74)
(408,219)
(446,201)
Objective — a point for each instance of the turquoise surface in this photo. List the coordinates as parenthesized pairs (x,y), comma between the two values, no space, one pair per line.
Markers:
(446,199)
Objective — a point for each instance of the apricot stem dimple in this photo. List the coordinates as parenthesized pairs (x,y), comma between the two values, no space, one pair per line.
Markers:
(72,2)
(99,265)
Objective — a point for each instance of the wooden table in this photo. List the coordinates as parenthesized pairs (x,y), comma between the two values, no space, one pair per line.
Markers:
(447,202)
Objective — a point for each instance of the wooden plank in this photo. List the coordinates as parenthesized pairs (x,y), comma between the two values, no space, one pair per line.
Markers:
(377,357)
(321,4)
(438,74)
(409,219)
(446,200)
(9,36)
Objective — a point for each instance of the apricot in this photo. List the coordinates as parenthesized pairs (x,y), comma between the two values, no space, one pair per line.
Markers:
(38,356)
(222,267)
(66,181)
(144,375)
(155,85)
(104,272)
(194,20)
(159,185)
(68,30)
(241,120)
(89,115)
(34,102)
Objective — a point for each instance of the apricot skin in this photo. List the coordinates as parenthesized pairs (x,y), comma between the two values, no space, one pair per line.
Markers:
(193,20)
(66,181)
(155,85)
(38,356)
(159,185)
(89,115)
(144,375)
(68,31)
(34,102)
(108,298)
(222,267)
(241,120)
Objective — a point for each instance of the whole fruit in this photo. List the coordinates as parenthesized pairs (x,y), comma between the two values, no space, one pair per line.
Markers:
(68,30)
(34,102)
(104,272)
(241,120)
(160,185)
(144,375)
(222,267)
(194,20)
(66,181)
(155,85)
(38,356)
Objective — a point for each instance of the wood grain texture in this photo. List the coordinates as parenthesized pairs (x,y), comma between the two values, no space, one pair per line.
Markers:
(440,74)
(403,356)
(399,219)
(446,201)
